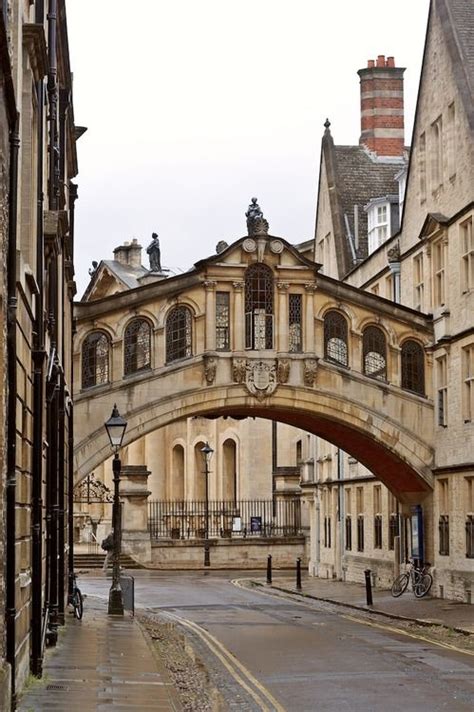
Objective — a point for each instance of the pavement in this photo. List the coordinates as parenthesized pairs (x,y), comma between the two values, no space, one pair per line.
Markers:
(106,662)
(425,611)
(101,663)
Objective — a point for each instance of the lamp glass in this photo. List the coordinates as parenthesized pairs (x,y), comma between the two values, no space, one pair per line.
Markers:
(116,427)
(208,452)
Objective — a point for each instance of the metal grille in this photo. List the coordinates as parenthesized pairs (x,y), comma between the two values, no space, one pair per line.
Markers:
(95,360)
(227,518)
(360,533)
(413,367)
(375,353)
(393,531)
(222,321)
(348,533)
(327,532)
(91,490)
(335,338)
(258,307)
(378,531)
(178,334)
(443,529)
(295,310)
(137,346)
(470,536)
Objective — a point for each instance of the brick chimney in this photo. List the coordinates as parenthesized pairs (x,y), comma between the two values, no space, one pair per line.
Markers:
(381,107)
(129,253)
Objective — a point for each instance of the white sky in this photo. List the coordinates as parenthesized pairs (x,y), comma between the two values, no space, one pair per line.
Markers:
(195,106)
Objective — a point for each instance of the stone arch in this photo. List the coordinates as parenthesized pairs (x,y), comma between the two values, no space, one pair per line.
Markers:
(129,352)
(397,450)
(183,301)
(126,318)
(229,469)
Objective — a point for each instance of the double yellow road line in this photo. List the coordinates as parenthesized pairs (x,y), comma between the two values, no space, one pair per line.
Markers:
(261,696)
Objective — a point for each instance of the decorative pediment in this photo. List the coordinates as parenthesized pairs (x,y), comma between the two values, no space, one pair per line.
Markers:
(434,225)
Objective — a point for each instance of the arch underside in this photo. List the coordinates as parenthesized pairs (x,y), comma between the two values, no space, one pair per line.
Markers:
(399,458)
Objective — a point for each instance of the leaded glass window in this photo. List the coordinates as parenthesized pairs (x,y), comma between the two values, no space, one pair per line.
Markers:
(335,338)
(295,308)
(178,334)
(374,353)
(259,307)
(222,321)
(137,343)
(95,359)
(413,367)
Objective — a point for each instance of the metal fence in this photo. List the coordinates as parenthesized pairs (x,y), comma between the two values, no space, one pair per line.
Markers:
(227,519)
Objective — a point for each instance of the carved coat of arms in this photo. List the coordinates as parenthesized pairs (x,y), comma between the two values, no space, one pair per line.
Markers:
(261,378)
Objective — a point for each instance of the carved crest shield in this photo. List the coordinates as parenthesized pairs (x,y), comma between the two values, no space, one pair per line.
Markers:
(261,378)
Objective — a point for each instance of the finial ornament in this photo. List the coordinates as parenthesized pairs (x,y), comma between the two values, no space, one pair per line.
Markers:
(327,124)
(256,223)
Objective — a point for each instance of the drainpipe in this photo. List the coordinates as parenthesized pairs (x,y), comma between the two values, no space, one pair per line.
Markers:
(61,495)
(72,202)
(10,608)
(39,355)
(341,508)
(53,106)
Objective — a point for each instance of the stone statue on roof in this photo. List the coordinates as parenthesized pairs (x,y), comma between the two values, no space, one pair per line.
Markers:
(256,223)
(154,253)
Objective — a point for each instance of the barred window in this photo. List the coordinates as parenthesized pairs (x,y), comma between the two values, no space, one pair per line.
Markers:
(295,309)
(413,367)
(178,334)
(327,532)
(222,321)
(95,360)
(378,531)
(392,531)
(470,536)
(360,532)
(443,529)
(137,346)
(348,532)
(374,353)
(259,307)
(335,338)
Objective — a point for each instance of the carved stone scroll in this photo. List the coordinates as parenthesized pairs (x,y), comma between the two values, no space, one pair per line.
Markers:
(283,370)
(310,368)
(210,367)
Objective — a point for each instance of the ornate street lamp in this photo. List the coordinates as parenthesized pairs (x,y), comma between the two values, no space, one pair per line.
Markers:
(207,452)
(115,427)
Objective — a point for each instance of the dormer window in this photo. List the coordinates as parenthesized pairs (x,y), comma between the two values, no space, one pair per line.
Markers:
(382,220)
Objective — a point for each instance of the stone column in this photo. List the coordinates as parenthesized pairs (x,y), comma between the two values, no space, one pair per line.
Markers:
(309,345)
(239,317)
(134,495)
(282,336)
(210,328)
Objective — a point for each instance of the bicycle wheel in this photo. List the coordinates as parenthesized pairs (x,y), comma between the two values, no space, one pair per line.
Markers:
(423,585)
(400,585)
(77,604)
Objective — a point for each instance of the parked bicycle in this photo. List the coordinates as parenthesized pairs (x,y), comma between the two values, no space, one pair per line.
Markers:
(75,598)
(421,581)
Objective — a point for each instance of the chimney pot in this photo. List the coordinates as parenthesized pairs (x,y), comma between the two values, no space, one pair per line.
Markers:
(370,63)
(381,60)
(390,61)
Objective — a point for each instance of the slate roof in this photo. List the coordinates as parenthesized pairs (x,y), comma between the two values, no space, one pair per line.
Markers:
(359,179)
(125,273)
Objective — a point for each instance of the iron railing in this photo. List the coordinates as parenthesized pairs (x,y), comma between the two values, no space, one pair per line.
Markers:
(240,518)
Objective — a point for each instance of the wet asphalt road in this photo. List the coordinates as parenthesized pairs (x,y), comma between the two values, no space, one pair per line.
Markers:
(306,657)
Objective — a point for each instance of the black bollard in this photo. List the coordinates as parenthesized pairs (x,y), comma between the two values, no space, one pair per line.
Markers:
(269,569)
(368,587)
(298,574)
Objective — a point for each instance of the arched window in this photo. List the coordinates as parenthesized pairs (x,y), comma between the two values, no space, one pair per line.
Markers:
(413,367)
(95,359)
(178,334)
(137,341)
(259,307)
(335,338)
(374,353)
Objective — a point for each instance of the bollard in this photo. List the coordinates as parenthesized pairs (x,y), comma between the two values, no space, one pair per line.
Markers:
(368,587)
(298,574)
(269,569)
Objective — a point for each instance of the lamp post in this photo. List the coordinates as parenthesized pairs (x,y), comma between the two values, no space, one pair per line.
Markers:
(115,427)
(207,452)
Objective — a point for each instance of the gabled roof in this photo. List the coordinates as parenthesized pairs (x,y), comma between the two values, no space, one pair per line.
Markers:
(457,21)
(126,277)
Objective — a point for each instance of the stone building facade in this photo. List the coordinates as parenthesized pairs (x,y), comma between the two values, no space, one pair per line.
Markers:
(37,164)
(426,263)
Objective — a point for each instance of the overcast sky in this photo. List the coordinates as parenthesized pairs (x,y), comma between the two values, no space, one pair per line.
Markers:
(194,106)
